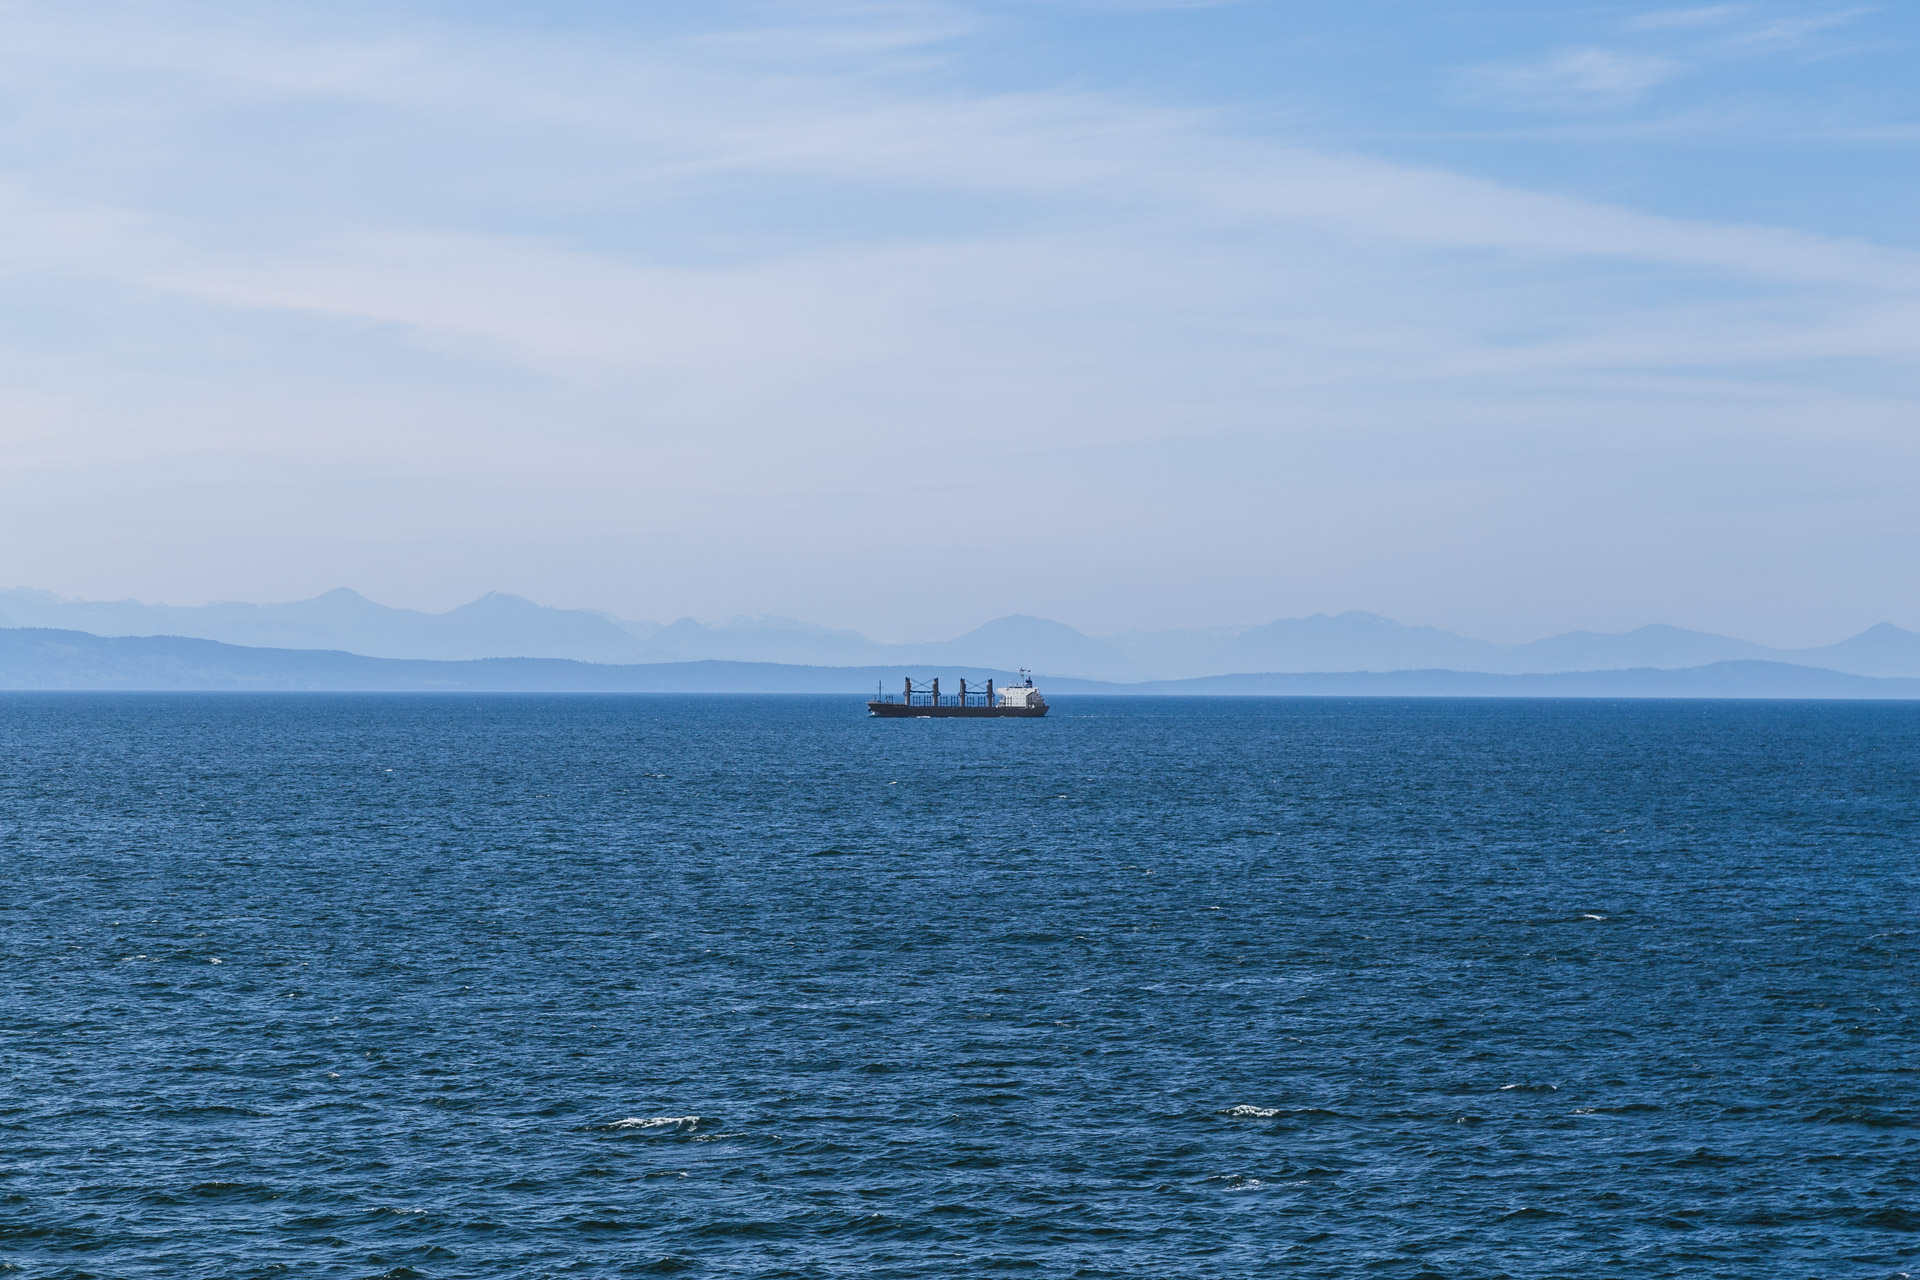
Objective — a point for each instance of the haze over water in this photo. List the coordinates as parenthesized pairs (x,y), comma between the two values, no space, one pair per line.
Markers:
(356,986)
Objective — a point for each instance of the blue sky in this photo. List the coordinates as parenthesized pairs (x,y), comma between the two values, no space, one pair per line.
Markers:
(1506,318)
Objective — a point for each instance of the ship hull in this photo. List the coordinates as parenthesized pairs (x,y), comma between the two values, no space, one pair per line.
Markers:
(895,710)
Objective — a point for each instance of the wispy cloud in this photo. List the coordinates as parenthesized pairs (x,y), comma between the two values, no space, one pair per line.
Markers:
(1688,19)
(1577,78)
(665,129)
(1751,27)
(736,257)
(1761,33)
(1654,50)
(579,135)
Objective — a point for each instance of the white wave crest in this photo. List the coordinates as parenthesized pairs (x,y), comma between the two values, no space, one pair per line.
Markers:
(1254,1113)
(672,1124)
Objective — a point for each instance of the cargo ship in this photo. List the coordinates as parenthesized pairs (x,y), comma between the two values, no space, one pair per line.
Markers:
(926,700)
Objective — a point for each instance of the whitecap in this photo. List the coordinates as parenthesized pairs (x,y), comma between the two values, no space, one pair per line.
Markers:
(671,1124)
(1251,1112)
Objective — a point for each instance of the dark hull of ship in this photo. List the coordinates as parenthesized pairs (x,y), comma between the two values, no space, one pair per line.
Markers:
(903,711)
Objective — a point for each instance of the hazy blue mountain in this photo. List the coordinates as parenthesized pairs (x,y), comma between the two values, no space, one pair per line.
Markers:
(500,625)
(496,625)
(1172,654)
(1019,640)
(1883,650)
(42,659)
(774,622)
(1351,642)
(1008,643)
(25,607)
(1741,679)
(765,641)
(1655,646)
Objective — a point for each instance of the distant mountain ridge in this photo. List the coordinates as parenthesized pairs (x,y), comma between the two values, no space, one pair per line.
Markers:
(498,625)
(41,660)
(495,625)
(1367,642)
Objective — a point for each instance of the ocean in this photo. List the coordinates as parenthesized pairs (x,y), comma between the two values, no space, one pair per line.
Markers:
(438,986)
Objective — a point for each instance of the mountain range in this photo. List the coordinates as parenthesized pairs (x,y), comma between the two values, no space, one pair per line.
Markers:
(33,658)
(507,626)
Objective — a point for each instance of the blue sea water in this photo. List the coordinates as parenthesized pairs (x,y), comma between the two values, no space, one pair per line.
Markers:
(728,987)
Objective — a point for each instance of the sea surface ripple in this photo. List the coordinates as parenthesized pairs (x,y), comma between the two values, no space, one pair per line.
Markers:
(573,986)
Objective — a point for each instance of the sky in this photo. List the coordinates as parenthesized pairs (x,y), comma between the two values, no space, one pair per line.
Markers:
(900,315)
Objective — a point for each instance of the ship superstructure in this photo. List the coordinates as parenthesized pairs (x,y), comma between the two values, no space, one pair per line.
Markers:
(926,701)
